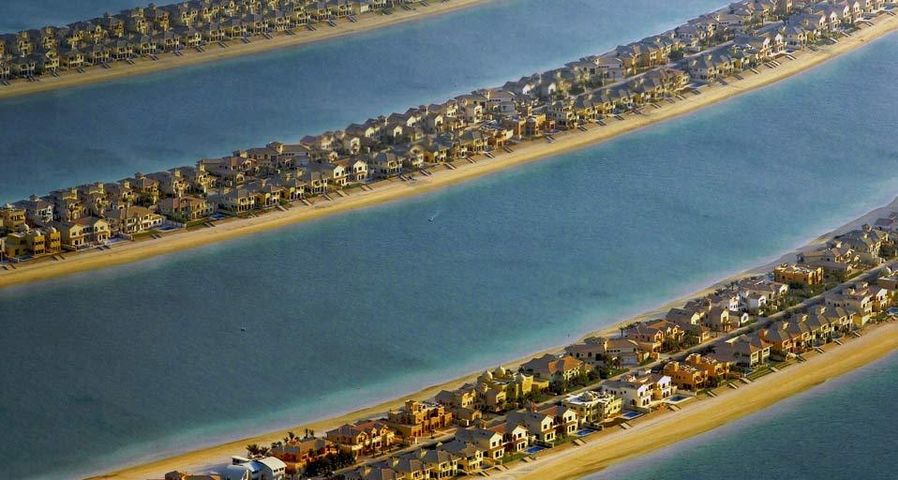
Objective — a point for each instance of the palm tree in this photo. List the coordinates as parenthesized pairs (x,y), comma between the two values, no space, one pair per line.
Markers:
(253,449)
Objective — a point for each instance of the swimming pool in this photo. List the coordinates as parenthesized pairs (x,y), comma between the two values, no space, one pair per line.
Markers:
(678,398)
(630,414)
(535,449)
(585,431)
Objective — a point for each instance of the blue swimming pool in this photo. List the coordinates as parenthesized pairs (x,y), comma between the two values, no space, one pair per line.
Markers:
(585,431)
(630,414)
(678,398)
(535,449)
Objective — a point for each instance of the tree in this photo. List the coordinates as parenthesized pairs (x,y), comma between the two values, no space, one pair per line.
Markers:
(253,449)
(327,465)
(558,386)
(256,450)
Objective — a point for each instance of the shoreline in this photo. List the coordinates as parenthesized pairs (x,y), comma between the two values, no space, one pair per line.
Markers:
(705,414)
(392,190)
(206,458)
(144,66)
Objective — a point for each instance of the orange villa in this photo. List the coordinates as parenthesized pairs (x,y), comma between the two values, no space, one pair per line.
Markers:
(362,438)
(798,274)
(417,419)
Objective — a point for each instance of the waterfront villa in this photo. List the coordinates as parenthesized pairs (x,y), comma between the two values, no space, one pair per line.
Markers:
(417,419)
(491,443)
(714,370)
(640,391)
(684,376)
(553,367)
(299,452)
(540,426)
(798,274)
(594,408)
(603,351)
(32,242)
(362,438)
(567,421)
(469,457)
(861,301)
(744,351)
(268,468)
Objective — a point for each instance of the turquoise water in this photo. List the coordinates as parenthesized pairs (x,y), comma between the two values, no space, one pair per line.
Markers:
(132,362)
(844,429)
(109,131)
(149,358)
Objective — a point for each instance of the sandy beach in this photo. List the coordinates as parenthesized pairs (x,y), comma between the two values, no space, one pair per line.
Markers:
(214,53)
(701,415)
(393,190)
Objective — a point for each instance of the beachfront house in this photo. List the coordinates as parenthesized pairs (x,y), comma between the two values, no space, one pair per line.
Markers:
(553,367)
(468,455)
(565,418)
(415,420)
(491,443)
(267,468)
(792,274)
(299,452)
(362,438)
(593,408)
(234,200)
(186,209)
(540,426)
(684,376)
(641,391)
(83,232)
(747,352)
(132,219)
(603,351)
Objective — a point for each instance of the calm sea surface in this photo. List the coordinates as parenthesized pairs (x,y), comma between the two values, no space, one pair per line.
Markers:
(840,430)
(130,363)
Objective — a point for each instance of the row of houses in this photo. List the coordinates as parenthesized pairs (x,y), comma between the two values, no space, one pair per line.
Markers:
(484,122)
(740,302)
(842,310)
(722,311)
(153,30)
(475,448)
(851,252)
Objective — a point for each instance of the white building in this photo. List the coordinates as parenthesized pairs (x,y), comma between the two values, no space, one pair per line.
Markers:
(268,468)
(640,392)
